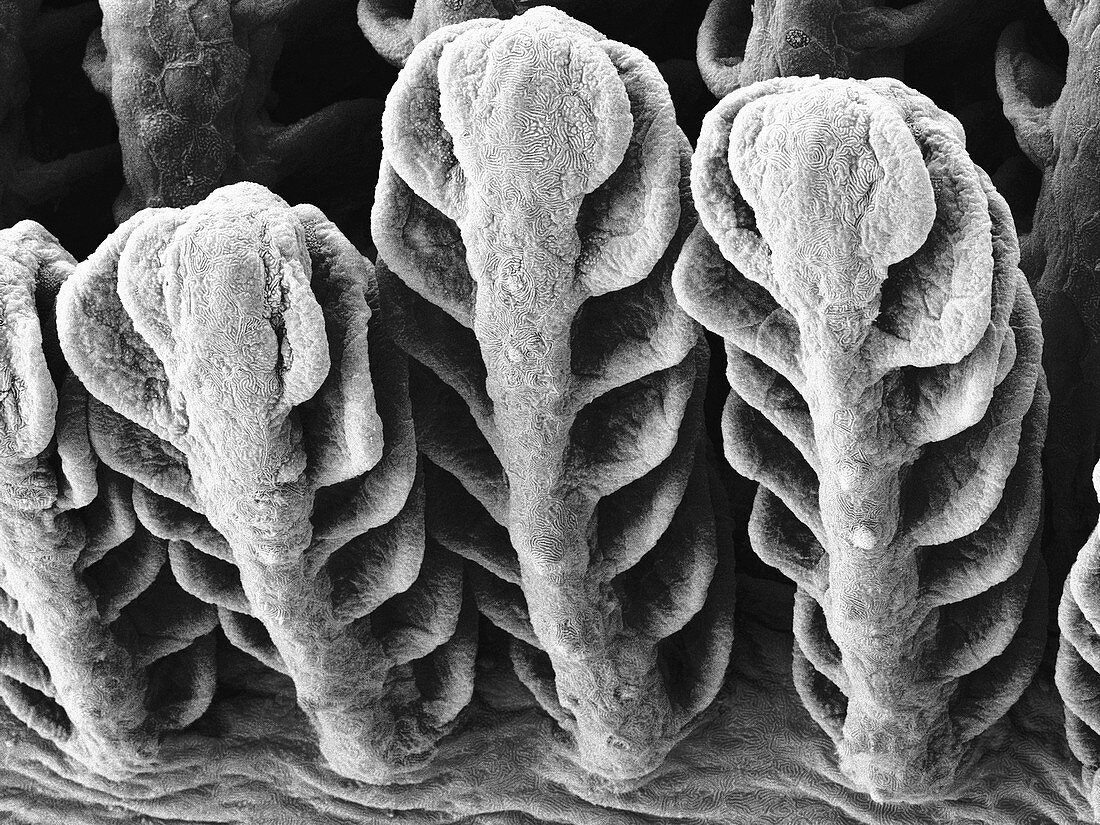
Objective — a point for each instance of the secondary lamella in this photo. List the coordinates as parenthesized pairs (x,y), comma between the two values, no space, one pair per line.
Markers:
(530,208)
(408,504)
(102,651)
(883,352)
(229,347)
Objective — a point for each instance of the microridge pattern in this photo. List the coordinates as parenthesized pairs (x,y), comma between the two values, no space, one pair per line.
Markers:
(240,382)
(188,80)
(175,76)
(883,351)
(531,203)
(101,652)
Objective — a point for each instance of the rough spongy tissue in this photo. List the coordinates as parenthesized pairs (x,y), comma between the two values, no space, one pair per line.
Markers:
(499,412)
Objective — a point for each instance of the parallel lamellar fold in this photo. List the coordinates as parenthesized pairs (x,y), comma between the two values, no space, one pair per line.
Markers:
(240,379)
(528,214)
(884,358)
(95,624)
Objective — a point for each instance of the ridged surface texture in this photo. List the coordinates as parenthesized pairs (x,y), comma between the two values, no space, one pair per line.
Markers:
(756,758)
(101,652)
(240,382)
(883,351)
(530,207)
(189,83)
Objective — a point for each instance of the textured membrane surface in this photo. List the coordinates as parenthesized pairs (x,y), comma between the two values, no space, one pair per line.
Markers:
(102,651)
(758,757)
(287,536)
(883,352)
(227,348)
(561,384)
(188,83)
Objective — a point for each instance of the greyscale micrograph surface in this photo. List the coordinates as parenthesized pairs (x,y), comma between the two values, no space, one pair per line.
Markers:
(883,356)
(491,412)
